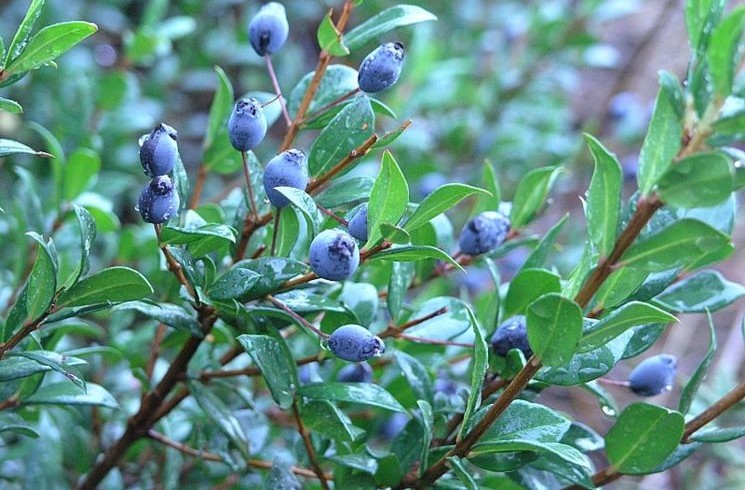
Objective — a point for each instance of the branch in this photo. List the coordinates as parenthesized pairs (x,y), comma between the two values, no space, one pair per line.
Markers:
(309,447)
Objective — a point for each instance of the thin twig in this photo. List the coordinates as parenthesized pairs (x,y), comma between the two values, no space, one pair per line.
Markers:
(353,155)
(302,321)
(160,334)
(331,104)
(277,90)
(198,186)
(249,187)
(333,216)
(309,447)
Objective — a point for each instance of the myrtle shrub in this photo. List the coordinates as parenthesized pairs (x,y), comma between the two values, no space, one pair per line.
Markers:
(284,312)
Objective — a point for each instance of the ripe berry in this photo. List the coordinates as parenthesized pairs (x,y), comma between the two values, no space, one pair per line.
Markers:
(653,375)
(358,224)
(355,343)
(247,124)
(268,29)
(512,334)
(158,200)
(355,373)
(381,68)
(288,169)
(334,255)
(484,233)
(159,151)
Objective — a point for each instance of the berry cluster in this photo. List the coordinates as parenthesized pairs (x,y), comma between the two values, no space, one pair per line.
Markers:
(159,201)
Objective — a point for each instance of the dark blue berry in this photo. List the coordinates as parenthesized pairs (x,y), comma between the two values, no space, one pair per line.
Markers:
(355,343)
(158,200)
(355,373)
(512,334)
(393,426)
(268,29)
(247,124)
(653,375)
(381,68)
(159,151)
(358,224)
(484,233)
(446,385)
(334,255)
(288,169)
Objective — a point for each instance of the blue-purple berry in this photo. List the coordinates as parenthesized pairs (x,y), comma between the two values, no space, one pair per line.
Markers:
(268,29)
(247,124)
(334,255)
(354,343)
(512,334)
(159,151)
(358,224)
(158,200)
(288,169)
(355,373)
(381,68)
(653,375)
(484,233)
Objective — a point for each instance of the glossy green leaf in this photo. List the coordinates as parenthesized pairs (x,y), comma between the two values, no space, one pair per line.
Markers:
(277,366)
(691,387)
(478,371)
(524,420)
(42,282)
(329,38)
(603,197)
(394,234)
(402,274)
(323,417)
(387,20)
(705,291)
(360,393)
(490,181)
(64,393)
(440,200)
(304,203)
(463,473)
(527,286)
(619,286)
(222,106)
(9,105)
(12,422)
(65,365)
(234,283)
(273,272)
(619,321)
(409,253)
(337,81)
(643,437)
(716,434)
(701,17)
(23,33)
(201,239)
(345,191)
(538,256)
(700,180)
(220,414)
(346,131)
(680,243)
(725,51)
(79,172)
(416,375)
(661,143)
(554,328)
(16,366)
(49,43)
(388,197)
(112,285)
(531,194)
(388,138)
(11,147)
(168,314)
(87,225)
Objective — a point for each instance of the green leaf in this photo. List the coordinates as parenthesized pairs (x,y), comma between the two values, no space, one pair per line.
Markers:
(168,314)
(701,17)
(210,232)
(619,286)
(222,106)
(112,285)
(42,282)
(345,191)
(704,291)
(491,201)
(662,141)
(537,257)
(9,105)
(530,195)
(360,393)
(691,387)
(337,81)
(273,272)
(234,283)
(642,438)
(218,412)
(478,371)
(619,321)
(18,44)
(412,253)
(304,203)
(524,420)
(18,365)
(49,43)
(725,51)
(11,147)
(387,20)
(277,366)
(329,38)
(388,138)
(716,434)
(527,286)
(700,180)
(87,225)
(603,197)
(79,171)
(440,200)
(554,328)
(323,417)
(346,131)
(12,422)
(463,474)
(401,276)
(394,234)
(64,393)
(388,197)
(677,245)
(415,374)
